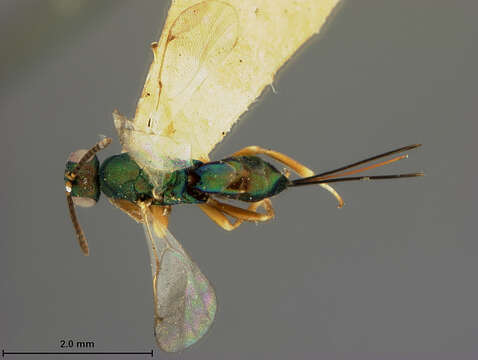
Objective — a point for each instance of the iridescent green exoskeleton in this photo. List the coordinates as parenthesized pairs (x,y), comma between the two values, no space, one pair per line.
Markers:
(214,58)
(243,177)
(247,178)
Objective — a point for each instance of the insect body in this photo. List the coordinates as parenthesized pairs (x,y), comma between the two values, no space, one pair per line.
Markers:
(214,58)
(246,178)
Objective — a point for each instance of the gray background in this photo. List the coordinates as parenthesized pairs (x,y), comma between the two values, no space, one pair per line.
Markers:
(392,275)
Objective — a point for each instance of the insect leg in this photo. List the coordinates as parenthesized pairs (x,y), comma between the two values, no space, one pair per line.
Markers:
(219,218)
(299,168)
(161,214)
(243,214)
(217,212)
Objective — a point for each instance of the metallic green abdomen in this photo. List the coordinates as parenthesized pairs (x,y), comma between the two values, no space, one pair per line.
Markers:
(246,178)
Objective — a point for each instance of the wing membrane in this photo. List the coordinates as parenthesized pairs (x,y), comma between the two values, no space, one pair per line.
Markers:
(199,40)
(184,300)
(214,58)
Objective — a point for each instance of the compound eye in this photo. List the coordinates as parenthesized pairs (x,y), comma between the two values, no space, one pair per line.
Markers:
(77,155)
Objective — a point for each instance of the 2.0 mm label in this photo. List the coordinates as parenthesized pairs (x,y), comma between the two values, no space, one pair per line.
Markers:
(76,344)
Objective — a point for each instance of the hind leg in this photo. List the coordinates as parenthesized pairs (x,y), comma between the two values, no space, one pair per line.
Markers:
(299,168)
(217,212)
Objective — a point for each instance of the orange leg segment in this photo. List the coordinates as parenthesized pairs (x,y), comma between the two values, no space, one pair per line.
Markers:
(299,168)
(217,212)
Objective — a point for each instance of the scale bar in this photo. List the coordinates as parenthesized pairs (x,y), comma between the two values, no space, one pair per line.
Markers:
(77,353)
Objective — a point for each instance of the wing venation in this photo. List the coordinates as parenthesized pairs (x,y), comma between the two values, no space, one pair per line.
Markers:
(184,300)
(213,60)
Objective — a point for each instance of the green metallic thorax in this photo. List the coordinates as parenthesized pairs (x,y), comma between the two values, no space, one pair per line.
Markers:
(246,178)
(121,178)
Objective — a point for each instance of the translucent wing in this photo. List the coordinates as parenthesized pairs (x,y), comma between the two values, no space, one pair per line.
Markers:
(196,43)
(214,58)
(184,300)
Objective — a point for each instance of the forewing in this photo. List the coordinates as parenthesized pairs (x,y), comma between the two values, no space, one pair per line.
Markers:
(184,300)
(190,49)
(214,58)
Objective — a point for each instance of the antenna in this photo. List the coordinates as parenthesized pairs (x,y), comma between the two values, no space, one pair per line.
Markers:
(71,176)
